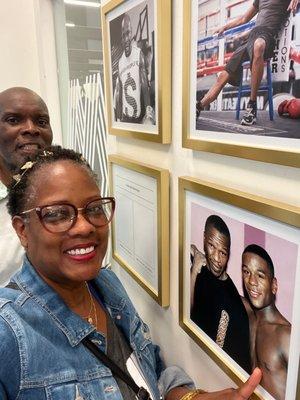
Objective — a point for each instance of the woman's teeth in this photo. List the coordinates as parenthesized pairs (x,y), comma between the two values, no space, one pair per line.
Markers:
(77,252)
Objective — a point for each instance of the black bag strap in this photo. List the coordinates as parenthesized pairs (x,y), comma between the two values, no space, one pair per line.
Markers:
(141,393)
(12,285)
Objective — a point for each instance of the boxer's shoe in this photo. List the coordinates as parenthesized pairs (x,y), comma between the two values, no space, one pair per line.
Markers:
(249,117)
(199,108)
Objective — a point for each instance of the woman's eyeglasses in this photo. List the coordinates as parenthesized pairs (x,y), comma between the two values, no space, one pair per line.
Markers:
(58,218)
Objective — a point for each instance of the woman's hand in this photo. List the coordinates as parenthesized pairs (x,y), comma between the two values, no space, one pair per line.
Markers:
(242,393)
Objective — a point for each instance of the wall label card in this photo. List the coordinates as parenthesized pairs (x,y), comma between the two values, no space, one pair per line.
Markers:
(140,229)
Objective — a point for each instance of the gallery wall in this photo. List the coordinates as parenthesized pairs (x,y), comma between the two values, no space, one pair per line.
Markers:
(23,25)
(28,55)
(267,180)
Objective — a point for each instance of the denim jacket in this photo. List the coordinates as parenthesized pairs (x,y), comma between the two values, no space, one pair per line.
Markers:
(41,353)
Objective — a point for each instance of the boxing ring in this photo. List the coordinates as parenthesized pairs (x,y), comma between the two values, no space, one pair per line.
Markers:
(230,33)
(215,64)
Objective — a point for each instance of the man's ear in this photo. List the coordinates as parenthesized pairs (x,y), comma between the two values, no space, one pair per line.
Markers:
(274,286)
(20,227)
(5,175)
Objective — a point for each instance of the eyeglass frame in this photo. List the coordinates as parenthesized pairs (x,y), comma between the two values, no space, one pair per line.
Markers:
(76,209)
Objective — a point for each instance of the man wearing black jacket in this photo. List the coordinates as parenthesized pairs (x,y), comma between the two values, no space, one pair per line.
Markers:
(216,306)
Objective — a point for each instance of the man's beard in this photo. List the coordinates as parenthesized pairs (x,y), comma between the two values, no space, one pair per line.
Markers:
(14,166)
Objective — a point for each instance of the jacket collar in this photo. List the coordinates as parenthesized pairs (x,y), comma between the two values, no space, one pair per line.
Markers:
(29,281)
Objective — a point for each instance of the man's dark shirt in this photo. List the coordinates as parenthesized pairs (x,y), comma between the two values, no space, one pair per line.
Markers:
(271,14)
(211,297)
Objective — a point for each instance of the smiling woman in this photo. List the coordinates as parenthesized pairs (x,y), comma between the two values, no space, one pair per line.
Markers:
(54,254)
(61,303)
(63,225)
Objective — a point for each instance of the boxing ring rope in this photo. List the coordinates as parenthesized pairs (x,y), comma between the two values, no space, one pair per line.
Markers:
(209,70)
(213,69)
(229,32)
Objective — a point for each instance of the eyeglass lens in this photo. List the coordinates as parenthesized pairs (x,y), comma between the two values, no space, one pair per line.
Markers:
(60,217)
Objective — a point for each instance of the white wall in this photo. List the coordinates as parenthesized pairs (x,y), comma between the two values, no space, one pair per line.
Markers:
(271,181)
(28,59)
(27,49)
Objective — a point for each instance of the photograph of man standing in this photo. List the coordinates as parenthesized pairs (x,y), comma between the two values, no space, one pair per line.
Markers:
(132,101)
(216,305)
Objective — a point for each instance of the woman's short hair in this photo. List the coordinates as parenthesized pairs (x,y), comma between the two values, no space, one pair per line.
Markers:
(18,190)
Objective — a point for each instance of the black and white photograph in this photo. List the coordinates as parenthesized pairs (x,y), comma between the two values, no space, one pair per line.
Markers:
(137,59)
(132,42)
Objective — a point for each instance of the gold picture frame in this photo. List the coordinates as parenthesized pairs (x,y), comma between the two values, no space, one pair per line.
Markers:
(150,22)
(140,230)
(207,133)
(250,220)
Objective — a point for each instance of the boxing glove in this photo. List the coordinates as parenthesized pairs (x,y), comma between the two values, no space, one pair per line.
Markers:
(281,107)
(293,108)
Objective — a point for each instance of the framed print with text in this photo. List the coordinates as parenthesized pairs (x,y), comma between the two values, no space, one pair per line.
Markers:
(239,274)
(140,228)
(137,68)
(217,78)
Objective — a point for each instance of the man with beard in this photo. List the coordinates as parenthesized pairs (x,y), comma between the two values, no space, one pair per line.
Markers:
(24,128)
(269,330)
(216,306)
(132,96)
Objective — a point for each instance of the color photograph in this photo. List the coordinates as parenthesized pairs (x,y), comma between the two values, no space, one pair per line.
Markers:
(239,273)
(243,68)
(227,69)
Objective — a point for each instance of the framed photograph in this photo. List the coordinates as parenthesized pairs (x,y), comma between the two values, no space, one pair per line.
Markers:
(137,68)
(218,115)
(239,274)
(140,228)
